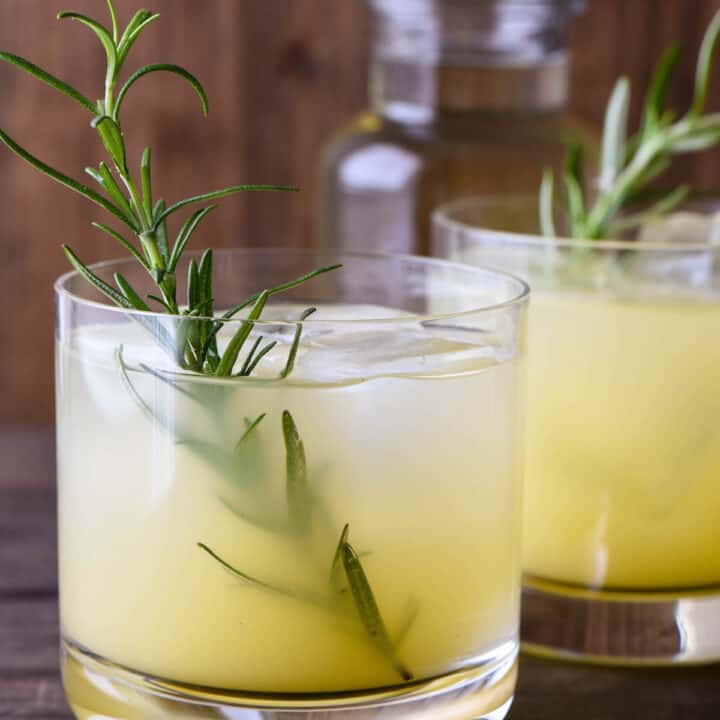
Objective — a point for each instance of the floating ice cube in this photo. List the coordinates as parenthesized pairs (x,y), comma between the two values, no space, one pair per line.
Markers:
(343,352)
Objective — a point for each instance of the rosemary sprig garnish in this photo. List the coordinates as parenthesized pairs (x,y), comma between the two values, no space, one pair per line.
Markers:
(629,165)
(132,202)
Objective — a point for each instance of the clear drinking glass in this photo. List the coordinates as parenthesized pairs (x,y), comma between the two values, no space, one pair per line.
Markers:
(622,501)
(341,543)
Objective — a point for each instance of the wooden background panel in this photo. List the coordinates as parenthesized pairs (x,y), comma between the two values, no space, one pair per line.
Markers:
(282,76)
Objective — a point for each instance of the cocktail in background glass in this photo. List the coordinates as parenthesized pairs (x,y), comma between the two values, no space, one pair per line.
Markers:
(334,534)
(622,502)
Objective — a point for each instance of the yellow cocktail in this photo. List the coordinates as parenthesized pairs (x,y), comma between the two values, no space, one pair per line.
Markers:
(623,443)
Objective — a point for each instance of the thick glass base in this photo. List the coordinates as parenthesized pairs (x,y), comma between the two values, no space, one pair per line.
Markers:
(98,689)
(621,628)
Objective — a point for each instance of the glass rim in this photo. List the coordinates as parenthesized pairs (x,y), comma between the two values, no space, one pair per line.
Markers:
(520,297)
(443,217)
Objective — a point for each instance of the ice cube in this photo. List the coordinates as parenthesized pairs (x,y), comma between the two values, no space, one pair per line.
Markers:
(394,350)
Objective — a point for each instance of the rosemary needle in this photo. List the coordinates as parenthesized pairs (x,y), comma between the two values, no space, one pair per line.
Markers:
(368,610)
(296,475)
(243,576)
(337,558)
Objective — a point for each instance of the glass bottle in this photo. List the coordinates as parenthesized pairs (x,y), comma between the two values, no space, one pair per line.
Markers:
(468,97)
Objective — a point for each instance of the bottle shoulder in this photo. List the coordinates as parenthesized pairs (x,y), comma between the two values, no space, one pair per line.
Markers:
(487,152)
(489,130)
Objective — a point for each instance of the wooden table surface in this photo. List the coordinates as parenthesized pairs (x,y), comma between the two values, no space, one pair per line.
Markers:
(30,684)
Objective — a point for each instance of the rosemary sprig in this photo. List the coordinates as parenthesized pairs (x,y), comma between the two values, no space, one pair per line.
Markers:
(629,165)
(133,203)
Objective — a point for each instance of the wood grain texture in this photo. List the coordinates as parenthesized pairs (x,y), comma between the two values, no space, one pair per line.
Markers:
(29,677)
(282,75)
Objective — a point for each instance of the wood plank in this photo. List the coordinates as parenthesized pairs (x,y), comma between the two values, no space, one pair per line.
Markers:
(551,690)
(27,457)
(28,558)
(33,698)
(29,643)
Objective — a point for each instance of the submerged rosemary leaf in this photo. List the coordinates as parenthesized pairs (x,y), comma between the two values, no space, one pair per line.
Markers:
(298,500)
(169,381)
(132,391)
(296,594)
(337,558)
(244,576)
(368,610)
(249,430)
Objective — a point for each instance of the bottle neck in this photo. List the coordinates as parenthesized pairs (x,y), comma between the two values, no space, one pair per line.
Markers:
(435,58)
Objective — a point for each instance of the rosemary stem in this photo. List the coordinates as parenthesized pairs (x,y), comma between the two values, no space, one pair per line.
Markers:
(612,199)
(150,244)
(138,205)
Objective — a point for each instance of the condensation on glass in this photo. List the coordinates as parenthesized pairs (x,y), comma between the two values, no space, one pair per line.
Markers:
(467,98)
